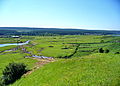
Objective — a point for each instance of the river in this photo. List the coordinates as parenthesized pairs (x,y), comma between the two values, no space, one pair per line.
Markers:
(3,45)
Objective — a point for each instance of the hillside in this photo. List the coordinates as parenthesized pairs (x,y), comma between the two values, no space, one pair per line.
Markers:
(52,31)
(92,70)
(74,60)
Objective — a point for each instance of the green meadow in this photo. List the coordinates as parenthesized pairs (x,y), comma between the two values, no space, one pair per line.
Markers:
(77,60)
(92,70)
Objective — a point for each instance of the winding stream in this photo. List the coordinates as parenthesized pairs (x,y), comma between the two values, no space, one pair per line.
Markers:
(3,45)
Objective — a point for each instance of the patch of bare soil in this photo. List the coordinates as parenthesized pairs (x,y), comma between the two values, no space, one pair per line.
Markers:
(40,63)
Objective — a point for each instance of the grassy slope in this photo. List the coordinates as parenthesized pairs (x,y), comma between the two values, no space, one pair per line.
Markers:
(93,70)
(5,59)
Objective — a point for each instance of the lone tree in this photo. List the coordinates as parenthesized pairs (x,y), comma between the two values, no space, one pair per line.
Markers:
(101,50)
(12,72)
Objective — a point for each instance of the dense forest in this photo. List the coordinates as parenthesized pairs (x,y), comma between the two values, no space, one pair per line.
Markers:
(52,31)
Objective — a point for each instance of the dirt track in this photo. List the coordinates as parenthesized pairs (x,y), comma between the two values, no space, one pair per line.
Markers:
(40,63)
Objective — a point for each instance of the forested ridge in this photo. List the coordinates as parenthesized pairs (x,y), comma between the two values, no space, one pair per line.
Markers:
(52,31)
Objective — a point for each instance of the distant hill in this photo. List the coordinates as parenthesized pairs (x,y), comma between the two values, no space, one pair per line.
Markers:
(52,31)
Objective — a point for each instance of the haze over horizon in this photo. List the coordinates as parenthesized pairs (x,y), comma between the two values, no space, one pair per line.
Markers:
(79,14)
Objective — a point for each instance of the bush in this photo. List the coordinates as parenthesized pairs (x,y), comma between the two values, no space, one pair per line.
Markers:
(106,51)
(12,72)
(117,52)
(101,50)
(102,41)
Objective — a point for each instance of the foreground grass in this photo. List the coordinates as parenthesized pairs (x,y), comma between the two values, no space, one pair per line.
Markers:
(93,70)
(5,59)
(85,68)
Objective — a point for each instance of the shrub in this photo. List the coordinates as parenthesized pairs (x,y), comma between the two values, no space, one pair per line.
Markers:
(117,52)
(102,41)
(106,51)
(12,72)
(51,46)
(101,50)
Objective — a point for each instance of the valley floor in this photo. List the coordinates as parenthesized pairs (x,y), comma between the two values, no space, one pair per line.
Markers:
(75,60)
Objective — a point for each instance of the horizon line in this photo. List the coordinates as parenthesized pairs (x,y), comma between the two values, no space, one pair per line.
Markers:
(63,27)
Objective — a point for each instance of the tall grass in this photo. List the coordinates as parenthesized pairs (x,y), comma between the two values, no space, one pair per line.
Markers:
(85,68)
(93,70)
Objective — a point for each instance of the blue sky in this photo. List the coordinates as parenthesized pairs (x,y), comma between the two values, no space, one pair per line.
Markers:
(82,14)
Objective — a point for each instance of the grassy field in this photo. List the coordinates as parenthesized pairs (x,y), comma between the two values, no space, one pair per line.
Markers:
(7,58)
(59,46)
(93,70)
(12,40)
(85,66)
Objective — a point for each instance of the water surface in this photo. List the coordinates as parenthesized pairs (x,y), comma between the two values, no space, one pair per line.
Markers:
(3,45)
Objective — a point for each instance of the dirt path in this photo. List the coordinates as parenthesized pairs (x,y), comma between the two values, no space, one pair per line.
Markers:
(40,63)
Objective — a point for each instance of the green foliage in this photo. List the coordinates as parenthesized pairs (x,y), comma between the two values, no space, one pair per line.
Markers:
(1,82)
(101,50)
(7,58)
(106,51)
(12,72)
(102,41)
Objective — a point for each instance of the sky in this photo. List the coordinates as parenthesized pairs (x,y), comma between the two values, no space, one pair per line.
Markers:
(79,14)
